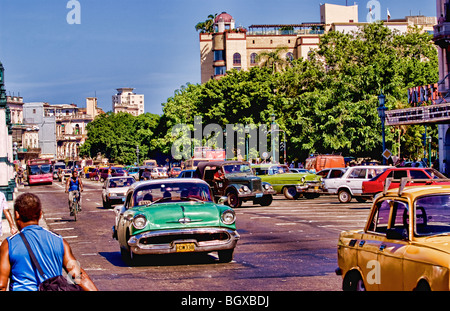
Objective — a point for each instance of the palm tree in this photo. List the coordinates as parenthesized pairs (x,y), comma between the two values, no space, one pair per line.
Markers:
(272,59)
(208,25)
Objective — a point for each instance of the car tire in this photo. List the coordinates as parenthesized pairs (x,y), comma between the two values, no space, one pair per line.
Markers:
(353,282)
(225,255)
(106,205)
(233,200)
(290,193)
(266,200)
(344,196)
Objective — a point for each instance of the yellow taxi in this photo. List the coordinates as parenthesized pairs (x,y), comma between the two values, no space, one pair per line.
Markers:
(405,244)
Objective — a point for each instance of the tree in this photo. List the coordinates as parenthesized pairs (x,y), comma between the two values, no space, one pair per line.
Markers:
(206,26)
(273,59)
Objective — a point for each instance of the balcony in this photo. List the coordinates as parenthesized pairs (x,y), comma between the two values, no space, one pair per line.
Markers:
(442,34)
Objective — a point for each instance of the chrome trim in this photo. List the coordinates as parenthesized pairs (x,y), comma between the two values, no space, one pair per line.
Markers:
(208,246)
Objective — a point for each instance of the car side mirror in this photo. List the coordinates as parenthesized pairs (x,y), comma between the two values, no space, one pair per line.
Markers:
(397,234)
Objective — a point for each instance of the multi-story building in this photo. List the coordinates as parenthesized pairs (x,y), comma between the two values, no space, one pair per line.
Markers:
(229,47)
(442,40)
(127,101)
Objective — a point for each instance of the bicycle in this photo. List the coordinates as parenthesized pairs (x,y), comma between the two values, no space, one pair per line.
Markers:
(75,205)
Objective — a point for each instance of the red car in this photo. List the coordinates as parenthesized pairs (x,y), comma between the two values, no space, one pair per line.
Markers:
(376,184)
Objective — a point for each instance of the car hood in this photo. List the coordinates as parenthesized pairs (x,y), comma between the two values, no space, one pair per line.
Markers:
(293,177)
(182,215)
(237,178)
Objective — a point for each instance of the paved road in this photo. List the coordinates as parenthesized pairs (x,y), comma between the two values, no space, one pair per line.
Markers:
(288,246)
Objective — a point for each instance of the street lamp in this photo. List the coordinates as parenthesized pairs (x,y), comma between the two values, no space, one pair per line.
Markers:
(382,114)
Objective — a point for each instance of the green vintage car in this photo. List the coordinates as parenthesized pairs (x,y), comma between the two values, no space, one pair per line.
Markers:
(174,216)
(292,185)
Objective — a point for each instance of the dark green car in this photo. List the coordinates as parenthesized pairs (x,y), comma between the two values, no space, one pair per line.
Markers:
(174,216)
(235,181)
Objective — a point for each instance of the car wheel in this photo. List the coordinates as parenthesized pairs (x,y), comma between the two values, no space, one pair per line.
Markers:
(266,200)
(226,255)
(290,193)
(344,196)
(233,200)
(106,204)
(353,282)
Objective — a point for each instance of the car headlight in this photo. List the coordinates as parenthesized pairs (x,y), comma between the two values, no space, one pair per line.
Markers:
(267,186)
(244,189)
(139,222)
(303,179)
(228,217)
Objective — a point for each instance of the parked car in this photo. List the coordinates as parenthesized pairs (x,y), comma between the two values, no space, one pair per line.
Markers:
(417,176)
(115,171)
(93,175)
(187,174)
(134,172)
(349,185)
(114,190)
(174,216)
(292,185)
(319,162)
(404,244)
(158,172)
(174,171)
(236,181)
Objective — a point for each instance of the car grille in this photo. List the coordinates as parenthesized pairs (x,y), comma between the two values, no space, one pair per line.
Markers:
(199,237)
(255,185)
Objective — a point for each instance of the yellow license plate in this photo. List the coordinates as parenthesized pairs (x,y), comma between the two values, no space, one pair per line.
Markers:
(185,247)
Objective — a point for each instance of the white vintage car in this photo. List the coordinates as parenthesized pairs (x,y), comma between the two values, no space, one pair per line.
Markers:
(349,185)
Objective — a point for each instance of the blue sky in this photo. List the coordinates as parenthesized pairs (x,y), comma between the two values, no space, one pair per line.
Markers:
(146,44)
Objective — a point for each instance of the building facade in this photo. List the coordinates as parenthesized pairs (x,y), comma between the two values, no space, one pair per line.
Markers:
(127,101)
(229,47)
(7,180)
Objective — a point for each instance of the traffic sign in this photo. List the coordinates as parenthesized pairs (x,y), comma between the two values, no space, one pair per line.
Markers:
(387,154)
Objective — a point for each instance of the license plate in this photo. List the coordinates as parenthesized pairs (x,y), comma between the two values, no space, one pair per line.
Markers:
(259,195)
(316,188)
(185,247)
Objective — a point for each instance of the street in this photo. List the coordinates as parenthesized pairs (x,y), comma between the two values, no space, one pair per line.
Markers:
(287,246)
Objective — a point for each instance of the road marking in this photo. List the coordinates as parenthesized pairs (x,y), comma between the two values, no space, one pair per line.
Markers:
(286,224)
(62,229)
(70,237)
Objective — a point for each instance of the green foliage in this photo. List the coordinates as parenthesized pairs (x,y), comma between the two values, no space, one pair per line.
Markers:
(326,103)
(116,136)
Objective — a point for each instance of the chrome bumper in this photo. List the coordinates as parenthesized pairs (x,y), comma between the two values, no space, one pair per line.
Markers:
(203,246)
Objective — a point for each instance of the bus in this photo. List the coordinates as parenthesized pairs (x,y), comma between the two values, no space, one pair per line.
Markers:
(39,171)
(150,163)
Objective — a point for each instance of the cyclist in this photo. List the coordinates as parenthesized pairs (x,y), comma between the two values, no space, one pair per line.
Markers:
(74,186)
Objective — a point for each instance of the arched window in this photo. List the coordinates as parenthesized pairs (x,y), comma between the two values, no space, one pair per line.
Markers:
(253,58)
(289,57)
(236,59)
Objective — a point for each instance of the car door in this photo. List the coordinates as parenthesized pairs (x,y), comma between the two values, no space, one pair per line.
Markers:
(333,180)
(392,249)
(355,179)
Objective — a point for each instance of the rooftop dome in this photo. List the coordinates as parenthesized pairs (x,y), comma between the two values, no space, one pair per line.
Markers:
(224,16)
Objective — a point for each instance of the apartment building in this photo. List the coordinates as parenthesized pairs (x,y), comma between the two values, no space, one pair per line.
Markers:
(127,101)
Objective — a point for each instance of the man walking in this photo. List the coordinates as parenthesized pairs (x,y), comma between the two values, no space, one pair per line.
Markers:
(51,250)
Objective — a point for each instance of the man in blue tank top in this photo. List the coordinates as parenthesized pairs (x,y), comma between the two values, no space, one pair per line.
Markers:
(51,250)
(74,186)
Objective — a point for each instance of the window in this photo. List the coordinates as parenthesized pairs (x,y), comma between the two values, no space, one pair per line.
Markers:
(289,57)
(398,174)
(418,174)
(220,70)
(236,59)
(219,55)
(358,173)
(253,58)
(381,218)
(400,217)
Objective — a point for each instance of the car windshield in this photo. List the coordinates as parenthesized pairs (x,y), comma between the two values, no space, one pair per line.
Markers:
(40,169)
(172,192)
(121,182)
(434,174)
(278,169)
(237,169)
(432,215)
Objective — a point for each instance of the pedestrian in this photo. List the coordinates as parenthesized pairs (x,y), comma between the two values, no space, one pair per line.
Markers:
(53,253)
(4,209)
